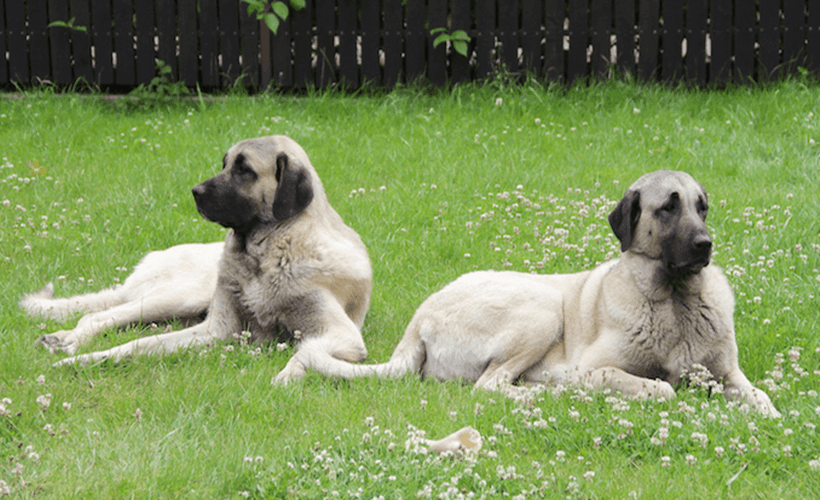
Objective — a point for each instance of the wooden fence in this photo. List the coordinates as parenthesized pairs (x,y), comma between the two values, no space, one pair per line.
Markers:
(215,43)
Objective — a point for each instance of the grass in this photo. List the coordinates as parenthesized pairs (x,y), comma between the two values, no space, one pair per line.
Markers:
(437,184)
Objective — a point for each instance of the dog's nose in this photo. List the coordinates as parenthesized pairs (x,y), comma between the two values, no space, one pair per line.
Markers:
(198,191)
(703,243)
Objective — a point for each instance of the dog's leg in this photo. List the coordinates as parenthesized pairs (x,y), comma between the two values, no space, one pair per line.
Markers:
(222,322)
(738,387)
(157,306)
(629,385)
(337,336)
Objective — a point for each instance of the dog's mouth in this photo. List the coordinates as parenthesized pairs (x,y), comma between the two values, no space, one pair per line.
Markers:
(685,269)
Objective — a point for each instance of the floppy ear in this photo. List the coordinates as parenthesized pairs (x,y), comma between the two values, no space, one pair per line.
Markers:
(624,218)
(294,192)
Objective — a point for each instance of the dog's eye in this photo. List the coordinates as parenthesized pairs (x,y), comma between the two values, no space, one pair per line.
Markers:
(670,205)
(242,170)
(702,206)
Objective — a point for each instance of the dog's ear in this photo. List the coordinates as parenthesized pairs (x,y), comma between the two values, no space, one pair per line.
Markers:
(624,218)
(294,192)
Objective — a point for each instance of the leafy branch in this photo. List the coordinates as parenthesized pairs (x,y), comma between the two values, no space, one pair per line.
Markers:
(272,12)
(459,39)
(69,25)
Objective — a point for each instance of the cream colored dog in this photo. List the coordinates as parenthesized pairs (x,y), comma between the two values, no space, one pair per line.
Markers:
(637,324)
(290,268)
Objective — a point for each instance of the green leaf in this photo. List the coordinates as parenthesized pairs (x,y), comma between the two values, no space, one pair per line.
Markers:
(280,9)
(272,22)
(460,46)
(460,35)
(439,39)
(437,30)
(297,4)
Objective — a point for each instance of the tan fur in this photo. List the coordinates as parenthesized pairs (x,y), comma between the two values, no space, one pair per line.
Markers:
(637,324)
(290,268)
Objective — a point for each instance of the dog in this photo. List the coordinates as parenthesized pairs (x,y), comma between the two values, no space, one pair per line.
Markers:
(175,283)
(637,324)
(290,268)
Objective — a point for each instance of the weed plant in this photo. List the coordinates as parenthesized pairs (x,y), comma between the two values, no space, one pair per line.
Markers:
(437,184)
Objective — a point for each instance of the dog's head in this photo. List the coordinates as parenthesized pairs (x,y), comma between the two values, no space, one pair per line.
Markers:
(263,180)
(662,216)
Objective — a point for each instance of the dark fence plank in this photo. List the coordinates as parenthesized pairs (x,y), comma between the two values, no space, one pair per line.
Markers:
(144,20)
(393,15)
(508,36)
(436,57)
(18,50)
(59,42)
(625,36)
(460,20)
(813,37)
(166,35)
(325,26)
(124,43)
(721,36)
(81,41)
(101,37)
(4,72)
(671,41)
(302,52)
(188,42)
(485,43)
(578,40)
(280,51)
(208,43)
(532,18)
(601,11)
(38,40)
(229,40)
(696,41)
(554,37)
(769,39)
(348,12)
(793,34)
(648,50)
(415,48)
(249,27)
(744,47)
(371,36)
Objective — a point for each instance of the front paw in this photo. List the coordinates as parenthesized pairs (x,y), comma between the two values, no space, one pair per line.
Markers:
(59,341)
(761,402)
(656,389)
(81,360)
(292,372)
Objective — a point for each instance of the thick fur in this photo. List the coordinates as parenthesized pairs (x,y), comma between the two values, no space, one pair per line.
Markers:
(178,282)
(637,324)
(290,269)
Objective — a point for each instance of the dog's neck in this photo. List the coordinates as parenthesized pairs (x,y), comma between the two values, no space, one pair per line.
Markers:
(653,282)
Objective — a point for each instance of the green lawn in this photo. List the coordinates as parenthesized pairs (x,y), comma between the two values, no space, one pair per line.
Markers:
(437,184)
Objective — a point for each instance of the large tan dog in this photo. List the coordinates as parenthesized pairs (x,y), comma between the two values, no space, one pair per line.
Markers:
(637,324)
(290,267)
(175,283)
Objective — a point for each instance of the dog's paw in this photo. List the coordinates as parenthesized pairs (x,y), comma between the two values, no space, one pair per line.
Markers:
(81,360)
(61,341)
(465,440)
(761,402)
(292,372)
(656,389)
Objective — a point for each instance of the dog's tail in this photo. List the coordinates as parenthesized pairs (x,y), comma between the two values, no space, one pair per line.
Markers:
(42,303)
(408,357)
